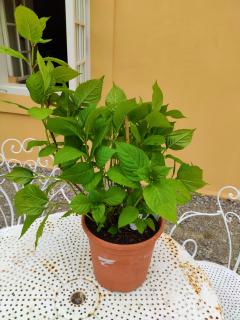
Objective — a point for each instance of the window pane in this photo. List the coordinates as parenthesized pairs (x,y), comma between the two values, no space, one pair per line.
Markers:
(80,10)
(12,37)
(80,34)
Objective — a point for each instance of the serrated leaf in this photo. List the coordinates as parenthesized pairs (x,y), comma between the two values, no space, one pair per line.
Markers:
(115,96)
(94,182)
(156,119)
(154,140)
(30,200)
(89,91)
(20,175)
(28,24)
(43,22)
(179,139)
(141,225)
(127,216)
(181,192)
(28,221)
(36,143)
(170,156)
(115,174)
(64,74)
(102,155)
(98,213)
(80,204)
(35,86)
(121,111)
(81,173)
(157,97)
(13,53)
(135,132)
(131,159)
(176,114)
(46,76)
(39,113)
(64,126)
(56,60)
(161,199)
(191,176)
(47,151)
(114,196)
(151,224)
(67,154)
(40,230)
(159,172)
(140,112)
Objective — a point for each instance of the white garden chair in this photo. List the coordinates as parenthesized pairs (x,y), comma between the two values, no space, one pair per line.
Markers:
(225,280)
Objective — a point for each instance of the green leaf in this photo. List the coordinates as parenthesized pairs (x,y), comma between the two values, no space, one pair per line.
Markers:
(102,155)
(36,143)
(35,86)
(161,199)
(157,97)
(39,113)
(46,76)
(30,200)
(114,196)
(113,230)
(81,173)
(28,24)
(46,151)
(141,225)
(154,140)
(156,119)
(122,110)
(98,213)
(40,230)
(140,112)
(159,171)
(179,139)
(131,159)
(135,132)
(92,185)
(100,134)
(28,221)
(116,175)
(43,22)
(80,204)
(56,60)
(176,114)
(127,216)
(181,192)
(115,95)
(91,119)
(13,53)
(64,126)
(67,154)
(20,175)
(191,176)
(89,91)
(151,224)
(64,74)
(157,159)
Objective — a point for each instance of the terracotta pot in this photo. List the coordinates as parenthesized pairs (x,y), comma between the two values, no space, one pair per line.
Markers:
(121,267)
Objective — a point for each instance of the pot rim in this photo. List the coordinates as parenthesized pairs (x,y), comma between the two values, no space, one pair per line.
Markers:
(120,246)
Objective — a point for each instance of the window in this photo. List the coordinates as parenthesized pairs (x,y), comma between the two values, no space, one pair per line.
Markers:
(68,27)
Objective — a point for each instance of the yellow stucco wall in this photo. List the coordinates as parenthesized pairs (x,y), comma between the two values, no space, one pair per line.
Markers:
(192,48)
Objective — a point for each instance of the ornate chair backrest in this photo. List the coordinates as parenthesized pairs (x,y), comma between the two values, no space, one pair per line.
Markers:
(228,217)
(14,152)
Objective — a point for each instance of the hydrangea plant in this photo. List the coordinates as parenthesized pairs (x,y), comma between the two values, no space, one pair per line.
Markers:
(119,157)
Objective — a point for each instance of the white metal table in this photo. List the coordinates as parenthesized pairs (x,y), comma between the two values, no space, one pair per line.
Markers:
(56,280)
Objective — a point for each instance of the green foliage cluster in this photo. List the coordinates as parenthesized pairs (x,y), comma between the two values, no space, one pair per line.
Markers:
(117,157)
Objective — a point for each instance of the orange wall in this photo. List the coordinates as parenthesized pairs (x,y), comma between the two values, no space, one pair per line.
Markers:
(192,48)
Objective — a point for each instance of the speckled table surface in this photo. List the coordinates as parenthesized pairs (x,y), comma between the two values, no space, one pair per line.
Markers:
(40,284)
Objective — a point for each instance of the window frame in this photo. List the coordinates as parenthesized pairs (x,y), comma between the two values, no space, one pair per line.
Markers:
(21,89)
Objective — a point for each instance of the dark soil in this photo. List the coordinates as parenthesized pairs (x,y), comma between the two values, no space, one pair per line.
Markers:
(124,236)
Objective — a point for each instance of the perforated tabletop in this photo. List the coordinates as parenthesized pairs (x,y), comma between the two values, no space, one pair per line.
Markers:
(56,281)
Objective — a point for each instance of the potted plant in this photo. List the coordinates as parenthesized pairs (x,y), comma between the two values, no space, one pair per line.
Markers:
(117,158)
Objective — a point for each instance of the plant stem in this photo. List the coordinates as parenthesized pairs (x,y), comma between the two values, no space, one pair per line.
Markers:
(127,130)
